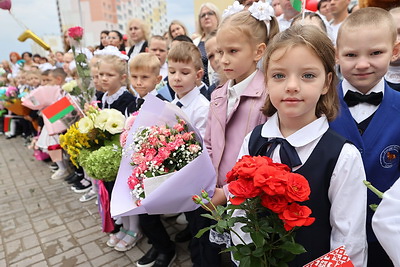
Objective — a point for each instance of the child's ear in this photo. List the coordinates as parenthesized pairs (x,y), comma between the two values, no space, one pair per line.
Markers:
(336,56)
(123,78)
(199,75)
(159,78)
(146,49)
(328,83)
(396,51)
(260,51)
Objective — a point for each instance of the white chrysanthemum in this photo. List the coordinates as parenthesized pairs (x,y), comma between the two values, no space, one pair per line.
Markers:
(85,125)
(115,124)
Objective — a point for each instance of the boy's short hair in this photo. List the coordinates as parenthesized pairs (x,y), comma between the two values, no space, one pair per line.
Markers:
(369,17)
(58,72)
(145,61)
(186,52)
(157,37)
(182,38)
(46,73)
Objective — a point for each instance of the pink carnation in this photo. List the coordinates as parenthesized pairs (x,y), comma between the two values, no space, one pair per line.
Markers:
(75,33)
(123,137)
(179,127)
(187,136)
(129,122)
(132,182)
(194,148)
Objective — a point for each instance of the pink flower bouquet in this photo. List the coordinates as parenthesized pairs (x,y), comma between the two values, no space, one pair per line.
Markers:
(159,141)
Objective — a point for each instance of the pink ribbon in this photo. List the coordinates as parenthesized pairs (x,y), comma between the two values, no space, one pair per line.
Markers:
(104,208)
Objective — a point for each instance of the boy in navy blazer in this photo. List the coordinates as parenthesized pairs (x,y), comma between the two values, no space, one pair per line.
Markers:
(370,109)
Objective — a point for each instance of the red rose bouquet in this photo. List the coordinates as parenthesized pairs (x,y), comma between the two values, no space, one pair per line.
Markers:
(263,213)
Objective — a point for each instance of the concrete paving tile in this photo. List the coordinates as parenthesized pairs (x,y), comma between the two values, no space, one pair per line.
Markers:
(30,241)
(29,261)
(52,230)
(106,258)
(54,236)
(92,250)
(26,254)
(121,261)
(69,258)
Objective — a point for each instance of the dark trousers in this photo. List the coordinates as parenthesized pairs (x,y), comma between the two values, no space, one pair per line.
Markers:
(202,252)
(377,256)
(155,231)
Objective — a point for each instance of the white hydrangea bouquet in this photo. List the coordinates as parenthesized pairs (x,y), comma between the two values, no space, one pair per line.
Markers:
(94,142)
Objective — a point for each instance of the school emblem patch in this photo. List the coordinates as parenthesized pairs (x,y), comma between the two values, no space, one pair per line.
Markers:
(390,156)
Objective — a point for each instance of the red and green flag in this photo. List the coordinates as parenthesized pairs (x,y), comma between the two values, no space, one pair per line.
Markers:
(297,4)
(58,110)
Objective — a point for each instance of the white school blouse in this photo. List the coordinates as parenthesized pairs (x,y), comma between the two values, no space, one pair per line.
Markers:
(347,193)
(386,223)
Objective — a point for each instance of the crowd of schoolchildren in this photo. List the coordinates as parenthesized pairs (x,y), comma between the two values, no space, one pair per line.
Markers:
(256,84)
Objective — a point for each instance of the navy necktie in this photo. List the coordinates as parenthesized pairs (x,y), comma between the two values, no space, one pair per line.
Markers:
(179,104)
(353,98)
(139,102)
(287,152)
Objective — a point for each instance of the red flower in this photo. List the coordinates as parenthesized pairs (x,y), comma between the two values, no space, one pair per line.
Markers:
(275,185)
(298,188)
(75,33)
(296,215)
(243,189)
(277,203)
(266,172)
(246,167)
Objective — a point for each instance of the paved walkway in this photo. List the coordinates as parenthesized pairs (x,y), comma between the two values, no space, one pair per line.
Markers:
(42,222)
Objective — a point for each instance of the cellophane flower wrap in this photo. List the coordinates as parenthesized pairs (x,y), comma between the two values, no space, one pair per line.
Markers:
(169,195)
(159,150)
(83,89)
(93,142)
(263,212)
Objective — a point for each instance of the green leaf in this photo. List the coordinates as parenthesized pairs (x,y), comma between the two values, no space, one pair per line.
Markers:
(246,229)
(202,231)
(209,216)
(245,250)
(222,224)
(258,239)
(245,262)
(259,252)
(80,58)
(293,247)
(220,210)
(232,249)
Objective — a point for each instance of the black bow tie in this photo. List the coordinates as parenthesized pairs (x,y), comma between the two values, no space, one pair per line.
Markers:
(353,98)
(287,152)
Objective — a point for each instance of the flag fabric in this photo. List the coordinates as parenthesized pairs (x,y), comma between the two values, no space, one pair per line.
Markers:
(296,4)
(335,258)
(7,123)
(58,110)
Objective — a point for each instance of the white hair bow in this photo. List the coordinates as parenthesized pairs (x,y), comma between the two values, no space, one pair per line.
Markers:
(111,50)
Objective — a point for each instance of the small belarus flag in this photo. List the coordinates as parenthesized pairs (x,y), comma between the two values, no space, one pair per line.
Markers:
(296,4)
(58,110)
